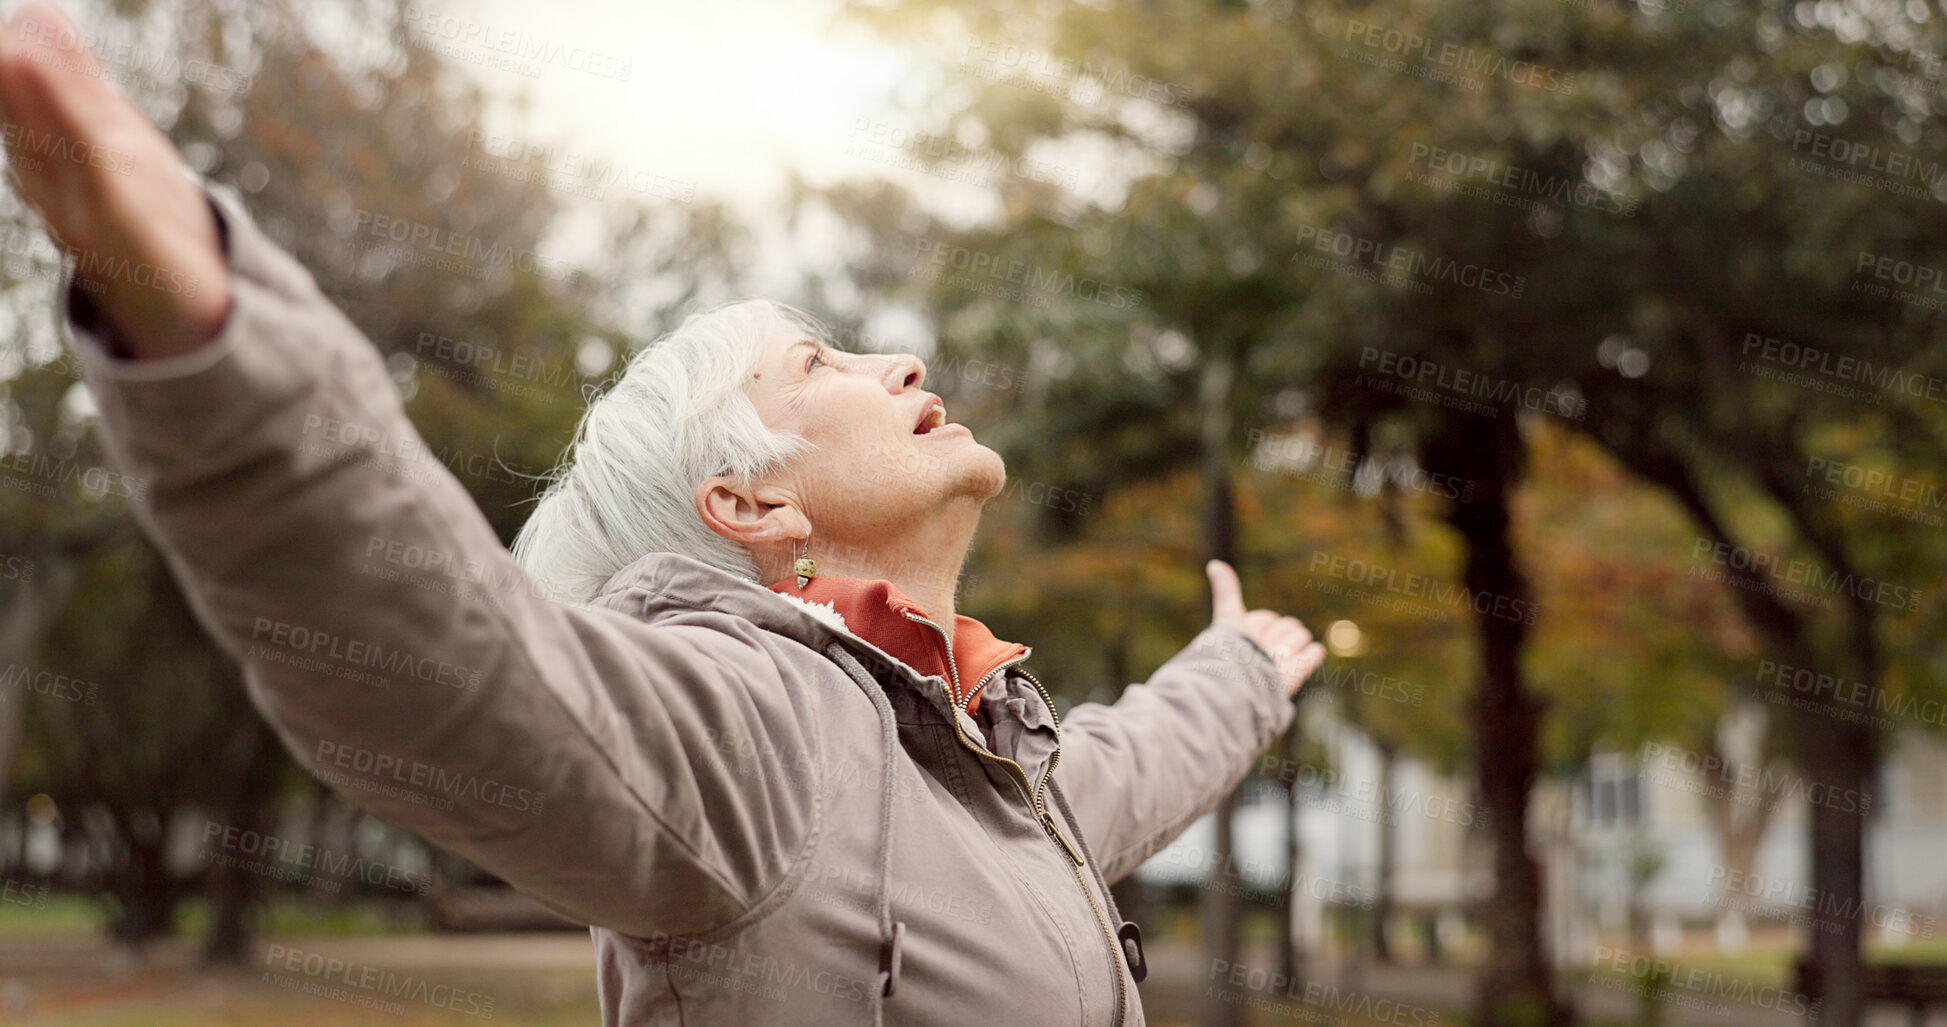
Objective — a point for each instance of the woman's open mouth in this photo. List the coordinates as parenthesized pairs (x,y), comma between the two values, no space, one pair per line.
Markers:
(932,421)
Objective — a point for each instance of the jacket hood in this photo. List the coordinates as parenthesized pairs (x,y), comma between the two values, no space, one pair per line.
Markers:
(666,584)
(663,585)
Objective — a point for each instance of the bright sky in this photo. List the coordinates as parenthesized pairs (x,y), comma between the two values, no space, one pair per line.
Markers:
(723,95)
(694,98)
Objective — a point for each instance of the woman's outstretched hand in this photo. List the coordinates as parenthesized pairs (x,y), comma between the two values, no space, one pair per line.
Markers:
(1285,638)
(111,188)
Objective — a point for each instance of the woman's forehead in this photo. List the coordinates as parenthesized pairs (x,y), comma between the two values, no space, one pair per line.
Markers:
(787,343)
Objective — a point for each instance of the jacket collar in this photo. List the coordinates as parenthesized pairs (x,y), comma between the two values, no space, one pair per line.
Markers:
(877,611)
(660,586)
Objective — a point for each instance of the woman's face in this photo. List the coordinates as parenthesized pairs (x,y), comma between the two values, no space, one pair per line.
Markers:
(887,454)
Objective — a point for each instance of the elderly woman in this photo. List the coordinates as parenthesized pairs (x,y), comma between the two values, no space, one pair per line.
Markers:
(720,705)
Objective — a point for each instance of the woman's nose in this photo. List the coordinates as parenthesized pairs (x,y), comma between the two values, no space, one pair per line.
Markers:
(905,372)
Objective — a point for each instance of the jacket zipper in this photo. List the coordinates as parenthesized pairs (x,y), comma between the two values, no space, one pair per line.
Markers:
(1115,946)
(1034,793)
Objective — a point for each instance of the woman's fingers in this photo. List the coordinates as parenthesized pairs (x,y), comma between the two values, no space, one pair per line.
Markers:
(55,99)
(110,187)
(1290,644)
(1286,638)
(1300,664)
(1271,628)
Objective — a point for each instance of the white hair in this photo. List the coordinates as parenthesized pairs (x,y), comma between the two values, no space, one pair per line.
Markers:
(676,415)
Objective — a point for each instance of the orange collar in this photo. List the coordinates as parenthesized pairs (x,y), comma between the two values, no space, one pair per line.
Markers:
(876,612)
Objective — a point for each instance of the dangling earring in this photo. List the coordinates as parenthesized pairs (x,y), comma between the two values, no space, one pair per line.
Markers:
(805,568)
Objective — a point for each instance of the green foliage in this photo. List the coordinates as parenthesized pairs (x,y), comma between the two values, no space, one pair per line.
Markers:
(1654,184)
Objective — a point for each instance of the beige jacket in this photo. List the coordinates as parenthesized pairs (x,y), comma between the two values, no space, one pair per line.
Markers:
(763,818)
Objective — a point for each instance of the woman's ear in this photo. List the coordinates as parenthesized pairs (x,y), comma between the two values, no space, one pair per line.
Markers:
(752,515)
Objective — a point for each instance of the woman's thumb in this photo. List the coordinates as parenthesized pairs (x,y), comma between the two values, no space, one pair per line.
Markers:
(1226,593)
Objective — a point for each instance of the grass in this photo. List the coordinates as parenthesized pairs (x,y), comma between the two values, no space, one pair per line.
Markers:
(62,916)
(557,994)
(71,984)
(239,1000)
(77,915)
(1772,965)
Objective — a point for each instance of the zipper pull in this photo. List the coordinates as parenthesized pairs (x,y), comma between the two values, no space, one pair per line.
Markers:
(1048,821)
(1131,937)
(889,959)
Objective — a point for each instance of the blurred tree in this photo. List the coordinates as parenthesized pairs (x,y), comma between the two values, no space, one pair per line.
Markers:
(1576,212)
(1196,262)
(1795,141)
(156,731)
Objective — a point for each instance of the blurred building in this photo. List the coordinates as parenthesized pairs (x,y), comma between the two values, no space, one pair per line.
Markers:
(1664,848)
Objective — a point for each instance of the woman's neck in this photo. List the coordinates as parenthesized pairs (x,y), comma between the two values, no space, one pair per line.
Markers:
(923,563)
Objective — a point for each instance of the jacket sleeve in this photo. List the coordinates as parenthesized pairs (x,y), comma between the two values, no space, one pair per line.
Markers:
(1140,771)
(405,658)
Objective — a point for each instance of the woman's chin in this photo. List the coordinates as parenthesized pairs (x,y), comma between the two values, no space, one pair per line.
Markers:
(988,473)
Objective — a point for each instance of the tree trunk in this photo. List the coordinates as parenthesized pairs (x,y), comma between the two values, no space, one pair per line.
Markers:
(1838,758)
(1515,988)
(1222,920)
(1291,954)
(1222,904)
(1841,759)
(1382,896)
(234,894)
(144,894)
(24,618)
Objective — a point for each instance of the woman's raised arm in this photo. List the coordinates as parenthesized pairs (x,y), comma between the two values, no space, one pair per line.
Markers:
(1140,771)
(399,650)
